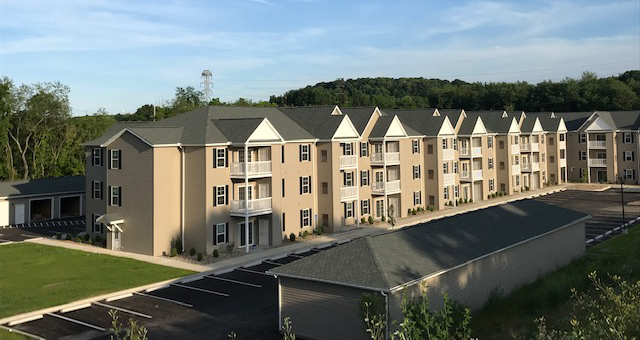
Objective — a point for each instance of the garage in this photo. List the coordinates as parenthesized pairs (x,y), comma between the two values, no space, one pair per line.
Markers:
(468,256)
(41,209)
(70,206)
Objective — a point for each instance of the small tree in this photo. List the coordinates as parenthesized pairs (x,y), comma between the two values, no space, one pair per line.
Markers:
(133,332)
(370,219)
(287,330)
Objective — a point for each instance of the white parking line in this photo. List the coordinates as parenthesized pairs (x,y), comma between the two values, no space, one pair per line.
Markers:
(25,235)
(272,263)
(234,281)
(316,250)
(296,255)
(1,240)
(11,330)
(165,299)
(78,322)
(128,311)
(253,271)
(200,289)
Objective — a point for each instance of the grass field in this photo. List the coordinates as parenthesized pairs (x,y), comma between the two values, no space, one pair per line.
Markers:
(513,316)
(34,276)
(6,335)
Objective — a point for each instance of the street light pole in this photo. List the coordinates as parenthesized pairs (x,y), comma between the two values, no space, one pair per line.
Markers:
(623,230)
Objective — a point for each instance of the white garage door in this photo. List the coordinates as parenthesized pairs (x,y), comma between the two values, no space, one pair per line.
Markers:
(4,213)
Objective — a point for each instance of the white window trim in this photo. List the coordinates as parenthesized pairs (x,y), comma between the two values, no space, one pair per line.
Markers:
(99,191)
(628,173)
(95,223)
(417,198)
(365,207)
(490,141)
(304,154)
(626,140)
(415,145)
(224,233)
(416,171)
(349,209)
(97,157)
(112,153)
(583,155)
(306,220)
(364,177)
(112,196)
(582,138)
(628,158)
(223,195)
(222,158)
(364,149)
(306,188)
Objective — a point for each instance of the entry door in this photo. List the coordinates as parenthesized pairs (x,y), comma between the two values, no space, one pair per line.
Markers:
(18,213)
(477,192)
(116,240)
(396,205)
(243,237)
(602,175)
(263,230)
(535,182)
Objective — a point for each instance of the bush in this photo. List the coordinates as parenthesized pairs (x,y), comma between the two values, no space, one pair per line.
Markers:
(192,252)
(500,194)
(320,231)
(98,239)
(305,234)
(489,197)
(383,219)
(432,208)
(493,195)
(370,219)
(230,247)
(91,241)
(86,237)
(292,237)
(466,201)
(413,211)
(199,256)
(216,253)
(178,245)
(526,188)
(470,201)
(174,252)
(362,220)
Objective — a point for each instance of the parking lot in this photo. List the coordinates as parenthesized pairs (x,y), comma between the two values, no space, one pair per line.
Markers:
(605,207)
(41,229)
(244,301)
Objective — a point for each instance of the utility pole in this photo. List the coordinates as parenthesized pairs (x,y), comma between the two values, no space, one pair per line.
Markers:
(207,83)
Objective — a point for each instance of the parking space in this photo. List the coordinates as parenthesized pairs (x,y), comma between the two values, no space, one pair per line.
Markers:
(41,229)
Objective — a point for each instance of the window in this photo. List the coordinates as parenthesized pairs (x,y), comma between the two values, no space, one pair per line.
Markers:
(543,159)
(416,171)
(515,140)
(629,156)
(446,193)
(490,163)
(561,137)
(503,187)
(379,208)
(305,218)
(456,191)
(284,222)
(430,149)
(364,149)
(364,207)
(417,198)
(542,140)
(550,140)
(583,138)
(517,180)
(628,173)
(304,153)
(348,209)
(97,226)
(544,176)
(364,178)
(348,179)
(282,154)
(220,157)
(115,159)
(283,187)
(323,156)
(562,153)
(415,146)
(325,188)
(444,143)
(583,172)
(97,190)
(347,149)
(115,196)
(221,233)
(221,194)
(97,157)
(582,155)
(455,167)
(305,185)
(490,141)
(501,165)
(516,160)
(627,138)
(491,188)
(455,144)
(445,168)
(501,144)
(552,159)
(430,174)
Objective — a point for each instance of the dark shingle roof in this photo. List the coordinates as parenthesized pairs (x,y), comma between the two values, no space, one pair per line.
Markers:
(237,130)
(548,123)
(468,124)
(573,120)
(392,259)
(318,121)
(42,186)
(492,120)
(621,120)
(453,114)
(528,124)
(422,121)
(359,116)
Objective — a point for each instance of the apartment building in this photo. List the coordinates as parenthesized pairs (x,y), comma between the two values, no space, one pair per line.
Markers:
(246,177)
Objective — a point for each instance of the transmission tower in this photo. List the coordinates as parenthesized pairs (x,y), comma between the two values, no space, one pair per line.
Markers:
(207,83)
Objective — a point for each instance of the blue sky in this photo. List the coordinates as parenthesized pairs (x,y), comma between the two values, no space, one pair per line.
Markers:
(121,54)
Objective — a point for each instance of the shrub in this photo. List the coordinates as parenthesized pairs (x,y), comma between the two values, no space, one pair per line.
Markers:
(90,241)
(526,188)
(421,322)
(489,196)
(216,253)
(174,252)
(370,219)
(199,256)
(493,195)
(413,212)
(305,234)
(192,252)
(470,201)
(466,201)
(178,245)
(86,237)
(320,231)
(292,237)
(500,194)
(362,220)
(383,219)
(431,208)
(230,247)
(98,238)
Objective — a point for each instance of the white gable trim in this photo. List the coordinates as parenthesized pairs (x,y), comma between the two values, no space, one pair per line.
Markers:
(336,111)
(587,121)
(598,125)
(436,113)
(561,126)
(265,132)
(537,127)
(504,114)
(117,135)
(514,127)
(479,128)
(553,115)
(446,129)
(395,129)
(346,130)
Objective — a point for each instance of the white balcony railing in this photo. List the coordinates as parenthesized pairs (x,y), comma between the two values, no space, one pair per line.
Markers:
(348,161)
(463,152)
(260,205)
(600,144)
(515,169)
(465,175)
(476,151)
(535,147)
(255,168)
(597,162)
(525,147)
(447,154)
(388,158)
(533,166)
(477,174)
(515,148)
(526,166)
(390,187)
(449,179)
(563,162)
(348,193)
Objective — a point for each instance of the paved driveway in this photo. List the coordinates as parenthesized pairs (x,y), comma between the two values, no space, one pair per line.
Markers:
(41,229)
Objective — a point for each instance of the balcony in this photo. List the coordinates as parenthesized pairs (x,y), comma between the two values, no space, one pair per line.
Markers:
(391,187)
(597,162)
(389,158)
(447,154)
(348,193)
(597,144)
(477,174)
(475,151)
(468,176)
(530,167)
(255,207)
(530,147)
(348,161)
(449,179)
(256,169)
(515,169)
(563,162)
(515,148)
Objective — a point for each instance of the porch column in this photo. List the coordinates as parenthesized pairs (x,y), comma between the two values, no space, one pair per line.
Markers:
(246,197)
(384,177)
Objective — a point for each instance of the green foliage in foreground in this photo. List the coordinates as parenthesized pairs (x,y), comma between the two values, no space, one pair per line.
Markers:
(6,335)
(35,276)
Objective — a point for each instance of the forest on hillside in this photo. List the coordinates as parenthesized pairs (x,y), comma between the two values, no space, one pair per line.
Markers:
(40,138)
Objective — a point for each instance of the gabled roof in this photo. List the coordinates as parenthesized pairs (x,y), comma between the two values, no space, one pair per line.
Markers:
(387,261)
(547,121)
(472,125)
(360,116)
(317,121)
(574,120)
(41,186)
(421,121)
(494,121)
(621,120)
(531,124)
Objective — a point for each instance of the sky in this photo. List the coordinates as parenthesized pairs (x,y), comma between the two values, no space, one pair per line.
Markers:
(122,54)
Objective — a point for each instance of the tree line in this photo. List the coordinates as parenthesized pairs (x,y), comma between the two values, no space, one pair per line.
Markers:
(40,138)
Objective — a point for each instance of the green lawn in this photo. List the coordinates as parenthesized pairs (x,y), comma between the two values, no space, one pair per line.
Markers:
(6,335)
(34,276)
(549,296)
